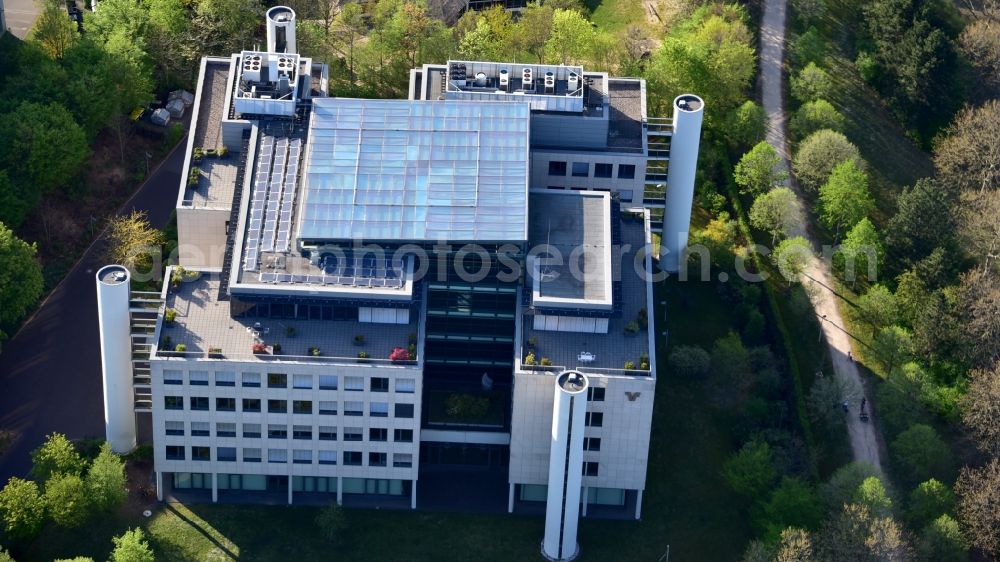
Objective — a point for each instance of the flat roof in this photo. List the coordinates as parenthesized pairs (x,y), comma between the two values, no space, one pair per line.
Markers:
(575,225)
(400,170)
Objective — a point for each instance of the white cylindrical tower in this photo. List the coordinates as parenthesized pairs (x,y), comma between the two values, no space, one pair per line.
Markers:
(562,506)
(116,357)
(281,30)
(688,112)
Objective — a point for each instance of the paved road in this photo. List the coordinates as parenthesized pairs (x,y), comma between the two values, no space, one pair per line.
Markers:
(20,16)
(862,435)
(50,371)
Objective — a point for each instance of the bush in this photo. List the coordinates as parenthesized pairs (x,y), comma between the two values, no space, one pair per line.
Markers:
(867,67)
(529,359)
(919,454)
(466,407)
(399,354)
(181,348)
(689,361)
(632,328)
(545,362)
(332,523)
(814,116)
(66,500)
(819,154)
(169,315)
(629,365)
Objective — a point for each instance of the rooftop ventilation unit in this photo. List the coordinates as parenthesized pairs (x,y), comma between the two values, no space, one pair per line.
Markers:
(527,79)
(458,74)
(550,83)
(251,69)
(573,82)
(504,80)
(481,79)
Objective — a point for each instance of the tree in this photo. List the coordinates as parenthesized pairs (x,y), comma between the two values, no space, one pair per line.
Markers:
(731,364)
(981,409)
(920,454)
(224,26)
(922,223)
(22,508)
(861,253)
(844,199)
(898,399)
(21,280)
(979,303)
(53,30)
(978,492)
(776,212)
(6,557)
(811,83)
(928,501)
(106,479)
(980,42)
(980,233)
(56,456)
(819,154)
(872,494)
(893,346)
(534,29)
(750,471)
(794,545)
(825,398)
(44,146)
(332,523)
(132,241)
(843,484)
(746,125)
(791,257)
(814,116)
(689,361)
(349,27)
(492,38)
(66,500)
(570,37)
(809,47)
(792,503)
(131,546)
(877,307)
(759,170)
(942,540)
(856,534)
(967,155)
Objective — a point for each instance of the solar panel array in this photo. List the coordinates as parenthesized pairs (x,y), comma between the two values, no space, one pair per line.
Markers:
(360,272)
(273,198)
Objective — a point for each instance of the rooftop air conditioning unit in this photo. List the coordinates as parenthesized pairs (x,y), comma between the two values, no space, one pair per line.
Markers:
(550,83)
(504,80)
(481,79)
(574,82)
(527,79)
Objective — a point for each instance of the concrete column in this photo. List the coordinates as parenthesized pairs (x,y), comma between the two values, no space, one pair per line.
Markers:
(562,504)
(413,495)
(340,491)
(113,293)
(159,485)
(638,504)
(510,498)
(583,499)
(290,478)
(215,488)
(688,113)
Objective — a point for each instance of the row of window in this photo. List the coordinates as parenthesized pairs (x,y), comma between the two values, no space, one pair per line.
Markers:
(325,407)
(280,456)
(280,380)
(279,431)
(601,170)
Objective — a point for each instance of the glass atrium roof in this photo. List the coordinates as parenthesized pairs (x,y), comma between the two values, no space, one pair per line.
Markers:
(416,170)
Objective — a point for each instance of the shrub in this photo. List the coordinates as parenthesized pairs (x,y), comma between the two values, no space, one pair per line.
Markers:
(259,348)
(629,365)
(466,407)
(223,151)
(632,328)
(170,315)
(545,362)
(867,67)
(181,348)
(411,338)
(315,352)
(361,354)
(529,359)
(689,361)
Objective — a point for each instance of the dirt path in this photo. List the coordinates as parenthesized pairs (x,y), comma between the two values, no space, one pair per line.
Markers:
(863,435)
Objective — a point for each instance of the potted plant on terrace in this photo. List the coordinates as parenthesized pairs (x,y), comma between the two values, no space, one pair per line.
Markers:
(215,353)
(362,356)
(169,316)
(314,351)
(258,348)
(399,354)
(359,340)
(632,328)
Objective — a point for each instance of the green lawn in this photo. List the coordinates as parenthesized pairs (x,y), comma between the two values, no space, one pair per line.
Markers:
(615,15)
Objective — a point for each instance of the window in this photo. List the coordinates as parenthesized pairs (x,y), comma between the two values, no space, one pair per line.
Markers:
(251,404)
(378,434)
(225,454)
(328,457)
(407,386)
(174,427)
(590,469)
(198,378)
(595,394)
(277,431)
(595,419)
(402,460)
(379,384)
(302,406)
(172,377)
(602,170)
(225,404)
(251,455)
(225,378)
(277,406)
(354,408)
(591,443)
(175,452)
(327,433)
(352,458)
(251,430)
(200,429)
(302,456)
(354,383)
(353,434)
(377,459)
(277,455)
(302,432)
(379,409)
(581,169)
(199,403)
(327,407)
(328,382)
(302,381)
(225,430)
(626,171)
(557,168)
(404,410)
(201,453)
(173,402)
(277,380)
(251,380)
(403,436)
